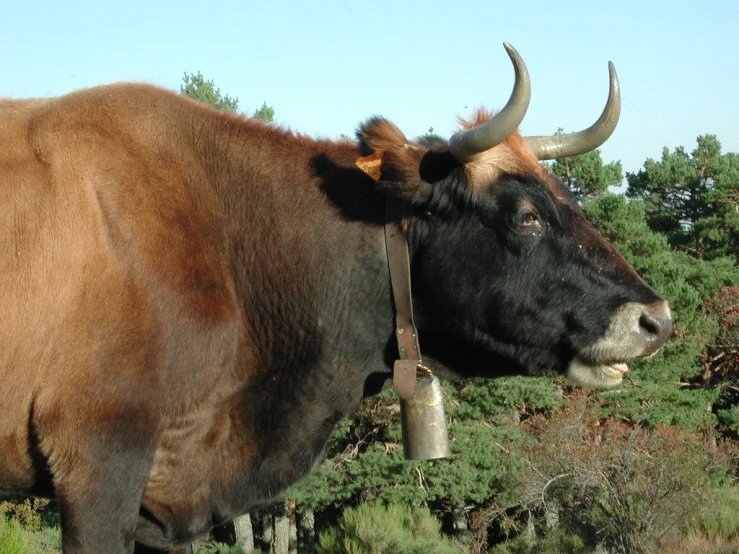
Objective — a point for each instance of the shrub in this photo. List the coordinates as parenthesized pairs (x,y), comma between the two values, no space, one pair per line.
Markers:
(218,548)
(391,529)
(720,516)
(31,522)
(614,482)
(555,541)
(12,538)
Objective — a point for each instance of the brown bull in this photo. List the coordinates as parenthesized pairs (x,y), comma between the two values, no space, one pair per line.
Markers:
(191,300)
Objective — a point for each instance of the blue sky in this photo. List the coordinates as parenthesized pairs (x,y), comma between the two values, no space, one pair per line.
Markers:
(326,65)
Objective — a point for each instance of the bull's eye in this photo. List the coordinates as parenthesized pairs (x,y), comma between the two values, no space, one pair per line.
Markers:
(529,222)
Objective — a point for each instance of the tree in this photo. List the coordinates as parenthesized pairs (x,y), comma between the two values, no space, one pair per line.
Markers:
(586,175)
(265,113)
(198,87)
(692,198)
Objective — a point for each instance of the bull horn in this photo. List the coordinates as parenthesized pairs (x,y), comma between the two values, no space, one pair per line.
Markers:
(465,144)
(574,144)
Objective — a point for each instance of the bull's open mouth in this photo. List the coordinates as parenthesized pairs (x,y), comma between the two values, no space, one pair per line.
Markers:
(614,371)
(596,375)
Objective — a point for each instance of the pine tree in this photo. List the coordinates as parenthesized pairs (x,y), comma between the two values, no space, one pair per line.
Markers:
(198,87)
(693,198)
(586,175)
(265,113)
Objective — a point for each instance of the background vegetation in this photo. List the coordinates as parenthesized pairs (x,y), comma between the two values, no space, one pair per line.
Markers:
(539,466)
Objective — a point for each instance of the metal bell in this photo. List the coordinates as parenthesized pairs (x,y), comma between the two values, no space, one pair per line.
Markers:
(423,421)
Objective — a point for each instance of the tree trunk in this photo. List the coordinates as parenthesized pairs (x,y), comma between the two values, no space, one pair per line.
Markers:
(530,530)
(281,541)
(306,532)
(551,514)
(244,533)
(460,520)
(268,531)
(292,546)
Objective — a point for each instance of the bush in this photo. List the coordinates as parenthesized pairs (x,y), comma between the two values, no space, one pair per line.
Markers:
(720,517)
(555,541)
(218,548)
(12,538)
(614,482)
(31,523)
(391,529)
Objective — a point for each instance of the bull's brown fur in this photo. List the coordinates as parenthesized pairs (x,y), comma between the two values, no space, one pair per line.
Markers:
(112,225)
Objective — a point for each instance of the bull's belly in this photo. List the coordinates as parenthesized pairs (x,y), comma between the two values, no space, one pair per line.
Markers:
(167,523)
(195,456)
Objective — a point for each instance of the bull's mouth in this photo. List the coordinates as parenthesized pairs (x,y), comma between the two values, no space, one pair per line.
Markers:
(614,371)
(635,331)
(596,375)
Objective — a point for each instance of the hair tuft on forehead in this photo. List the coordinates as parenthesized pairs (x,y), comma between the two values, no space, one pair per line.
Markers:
(513,156)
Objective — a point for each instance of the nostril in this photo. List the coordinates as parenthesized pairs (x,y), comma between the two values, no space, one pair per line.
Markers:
(655,330)
(649,323)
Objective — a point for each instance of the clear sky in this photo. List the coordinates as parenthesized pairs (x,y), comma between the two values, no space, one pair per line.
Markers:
(326,65)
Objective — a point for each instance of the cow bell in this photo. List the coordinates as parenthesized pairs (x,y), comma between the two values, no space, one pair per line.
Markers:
(423,421)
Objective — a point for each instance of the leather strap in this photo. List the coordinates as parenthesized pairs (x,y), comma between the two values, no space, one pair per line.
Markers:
(398,259)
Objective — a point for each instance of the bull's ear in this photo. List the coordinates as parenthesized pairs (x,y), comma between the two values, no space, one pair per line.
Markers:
(392,160)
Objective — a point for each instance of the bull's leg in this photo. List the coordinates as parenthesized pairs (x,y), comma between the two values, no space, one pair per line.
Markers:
(99,464)
(99,503)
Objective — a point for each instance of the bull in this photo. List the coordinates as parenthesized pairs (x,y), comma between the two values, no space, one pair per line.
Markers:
(191,300)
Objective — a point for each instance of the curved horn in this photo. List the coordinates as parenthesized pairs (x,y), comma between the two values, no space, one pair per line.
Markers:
(465,144)
(574,144)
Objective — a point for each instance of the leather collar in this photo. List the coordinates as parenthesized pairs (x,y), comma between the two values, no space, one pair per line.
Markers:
(408,365)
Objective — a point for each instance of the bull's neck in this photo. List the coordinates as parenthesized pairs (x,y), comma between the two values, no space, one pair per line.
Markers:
(309,264)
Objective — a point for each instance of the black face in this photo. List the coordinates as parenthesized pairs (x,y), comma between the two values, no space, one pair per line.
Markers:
(510,279)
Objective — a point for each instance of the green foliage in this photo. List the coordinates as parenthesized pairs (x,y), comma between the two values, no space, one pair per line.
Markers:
(692,198)
(367,461)
(265,113)
(482,399)
(624,224)
(690,285)
(390,529)
(27,512)
(219,548)
(28,526)
(719,516)
(556,540)
(729,418)
(198,87)
(652,404)
(13,539)
(586,175)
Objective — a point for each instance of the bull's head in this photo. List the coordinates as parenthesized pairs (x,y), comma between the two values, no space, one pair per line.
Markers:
(506,271)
